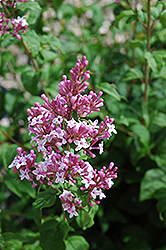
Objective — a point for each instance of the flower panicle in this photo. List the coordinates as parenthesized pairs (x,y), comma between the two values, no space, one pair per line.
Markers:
(65,139)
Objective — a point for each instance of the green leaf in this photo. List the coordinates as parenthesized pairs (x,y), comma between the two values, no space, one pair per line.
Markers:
(161,74)
(109,89)
(75,115)
(85,219)
(33,8)
(151,61)
(26,187)
(156,11)
(13,185)
(56,43)
(32,40)
(131,19)
(2,246)
(133,73)
(161,205)
(152,181)
(8,152)
(125,13)
(30,80)
(45,199)
(13,236)
(52,234)
(11,100)
(34,99)
(48,55)
(76,242)
(160,119)
(142,132)
(26,5)
(136,43)
(161,35)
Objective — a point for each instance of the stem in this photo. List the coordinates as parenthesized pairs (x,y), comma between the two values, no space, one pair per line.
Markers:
(135,13)
(148,49)
(64,216)
(12,139)
(34,61)
(6,9)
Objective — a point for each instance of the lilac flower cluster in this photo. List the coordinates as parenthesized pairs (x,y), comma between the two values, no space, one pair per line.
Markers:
(19,25)
(65,139)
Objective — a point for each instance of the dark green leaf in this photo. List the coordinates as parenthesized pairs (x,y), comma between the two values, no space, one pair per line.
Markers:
(8,152)
(30,80)
(45,199)
(142,132)
(52,234)
(133,73)
(109,89)
(11,100)
(13,185)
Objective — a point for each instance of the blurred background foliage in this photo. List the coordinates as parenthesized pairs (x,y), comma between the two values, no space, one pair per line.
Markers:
(126,48)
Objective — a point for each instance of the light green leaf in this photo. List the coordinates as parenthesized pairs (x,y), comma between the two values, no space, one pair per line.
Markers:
(151,61)
(85,219)
(48,55)
(33,9)
(76,242)
(32,40)
(55,44)
(136,43)
(160,119)
(156,11)
(2,247)
(109,89)
(26,5)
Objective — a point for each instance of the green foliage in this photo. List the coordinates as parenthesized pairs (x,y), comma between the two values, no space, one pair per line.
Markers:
(114,39)
(76,243)
(52,235)
(45,199)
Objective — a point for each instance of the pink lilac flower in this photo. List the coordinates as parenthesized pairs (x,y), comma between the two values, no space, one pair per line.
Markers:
(19,26)
(64,140)
(13,3)
(3,24)
(70,203)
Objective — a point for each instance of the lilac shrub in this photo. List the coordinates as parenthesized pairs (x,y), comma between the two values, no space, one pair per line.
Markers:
(60,132)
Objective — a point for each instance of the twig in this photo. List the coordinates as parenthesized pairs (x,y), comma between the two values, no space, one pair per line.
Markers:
(143,24)
(148,49)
